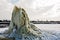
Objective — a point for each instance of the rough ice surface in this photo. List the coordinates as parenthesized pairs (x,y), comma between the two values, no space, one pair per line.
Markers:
(46,35)
(50,36)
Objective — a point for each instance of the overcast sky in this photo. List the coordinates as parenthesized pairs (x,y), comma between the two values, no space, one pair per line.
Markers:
(36,9)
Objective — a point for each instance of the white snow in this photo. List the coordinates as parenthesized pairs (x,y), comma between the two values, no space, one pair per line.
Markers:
(3,29)
(49,31)
(48,27)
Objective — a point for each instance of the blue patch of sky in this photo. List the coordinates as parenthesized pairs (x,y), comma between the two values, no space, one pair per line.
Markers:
(14,1)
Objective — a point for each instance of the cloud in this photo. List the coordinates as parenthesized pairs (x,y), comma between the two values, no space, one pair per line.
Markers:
(5,9)
(36,9)
(13,1)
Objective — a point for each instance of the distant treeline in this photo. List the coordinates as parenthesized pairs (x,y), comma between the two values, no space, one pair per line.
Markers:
(35,22)
(45,22)
(4,20)
(4,23)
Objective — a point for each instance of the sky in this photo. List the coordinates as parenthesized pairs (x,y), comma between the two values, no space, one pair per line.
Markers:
(36,9)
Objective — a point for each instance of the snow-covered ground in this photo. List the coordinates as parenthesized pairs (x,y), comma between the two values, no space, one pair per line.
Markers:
(49,27)
(49,31)
(46,27)
(3,29)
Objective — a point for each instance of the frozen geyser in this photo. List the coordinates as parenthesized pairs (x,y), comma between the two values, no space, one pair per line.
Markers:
(20,27)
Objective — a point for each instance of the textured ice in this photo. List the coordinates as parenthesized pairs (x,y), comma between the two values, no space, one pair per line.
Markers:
(46,35)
